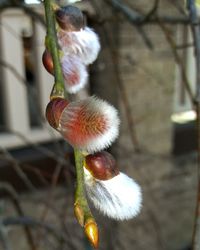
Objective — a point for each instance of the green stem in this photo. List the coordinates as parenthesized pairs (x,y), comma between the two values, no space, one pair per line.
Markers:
(52,45)
(80,198)
(59,91)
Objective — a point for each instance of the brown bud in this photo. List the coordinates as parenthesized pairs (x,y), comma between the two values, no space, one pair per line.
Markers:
(91,231)
(47,61)
(78,211)
(101,165)
(70,18)
(54,110)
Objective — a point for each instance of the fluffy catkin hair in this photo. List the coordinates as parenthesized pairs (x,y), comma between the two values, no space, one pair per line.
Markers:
(74,72)
(119,198)
(84,43)
(90,125)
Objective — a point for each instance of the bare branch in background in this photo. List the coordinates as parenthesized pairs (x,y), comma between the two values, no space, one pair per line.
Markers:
(178,60)
(196,36)
(34,223)
(153,11)
(6,187)
(4,238)
(136,18)
(16,166)
(20,5)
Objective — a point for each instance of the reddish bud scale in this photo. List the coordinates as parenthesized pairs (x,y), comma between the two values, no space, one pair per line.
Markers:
(54,110)
(101,165)
(48,62)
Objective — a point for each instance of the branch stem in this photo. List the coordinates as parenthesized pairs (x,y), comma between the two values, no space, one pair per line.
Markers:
(82,209)
(80,198)
(52,45)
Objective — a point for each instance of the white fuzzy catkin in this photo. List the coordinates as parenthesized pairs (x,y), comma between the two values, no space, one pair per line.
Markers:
(81,125)
(74,72)
(119,198)
(84,43)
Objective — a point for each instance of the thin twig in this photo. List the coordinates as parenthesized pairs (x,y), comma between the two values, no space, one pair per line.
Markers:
(196,36)
(15,200)
(153,11)
(178,60)
(32,222)
(122,90)
(20,5)
(49,201)
(137,18)
(4,238)
(16,166)
(131,125)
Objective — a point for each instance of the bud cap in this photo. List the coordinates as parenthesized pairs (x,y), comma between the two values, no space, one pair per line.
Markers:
(101,165)
(54,110)
(91,231)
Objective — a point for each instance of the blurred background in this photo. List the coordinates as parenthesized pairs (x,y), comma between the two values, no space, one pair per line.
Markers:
(145,64)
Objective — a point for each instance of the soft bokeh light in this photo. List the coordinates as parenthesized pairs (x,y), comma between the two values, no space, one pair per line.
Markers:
(32,1)
(184,117)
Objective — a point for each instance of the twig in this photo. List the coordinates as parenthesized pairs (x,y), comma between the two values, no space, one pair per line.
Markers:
(4,238)
(196,36)
(81,204)
(54,181)
(40,148)
(17,168)
(27,10)
(52,45)
(80,199)
(178,60)
(32,222)
(131,125)
(153,10)
(122,91)
(15,199)
(136,18)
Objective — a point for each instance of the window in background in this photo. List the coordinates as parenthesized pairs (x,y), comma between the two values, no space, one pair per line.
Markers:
(184,117)
(32,91)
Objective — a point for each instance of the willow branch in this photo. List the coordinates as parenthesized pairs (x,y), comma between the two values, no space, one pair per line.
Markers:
(19,5)
(15,200)
(81,203)
(137,18)
(196,36)
(58,90)
(32,222)
(178,60)
(52,45)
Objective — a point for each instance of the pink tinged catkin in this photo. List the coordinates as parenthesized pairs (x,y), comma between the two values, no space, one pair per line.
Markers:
(84,43)
(119,198)
(74,72)
(89,125)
